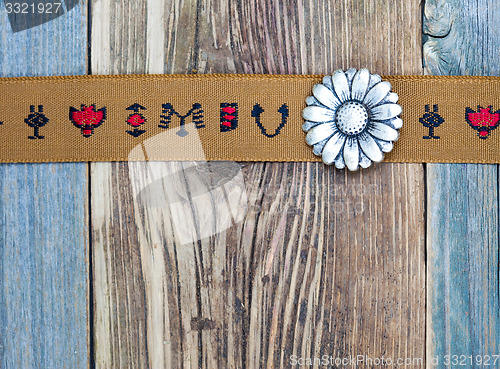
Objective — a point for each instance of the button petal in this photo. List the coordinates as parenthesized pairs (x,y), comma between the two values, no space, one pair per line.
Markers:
(318,114)
(370,147)
(333,147)
(360,84)
(383,131)
(351,153)
(325,96)
(341,85)
(320,132)
(385,111)
(377,94)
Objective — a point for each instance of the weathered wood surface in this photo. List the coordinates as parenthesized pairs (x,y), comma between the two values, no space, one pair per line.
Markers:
(316,262)
(462,37)
(43,220)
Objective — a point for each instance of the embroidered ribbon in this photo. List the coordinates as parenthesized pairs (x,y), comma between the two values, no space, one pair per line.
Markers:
(228,117)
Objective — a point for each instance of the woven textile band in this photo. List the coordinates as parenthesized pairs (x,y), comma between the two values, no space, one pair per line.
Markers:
(229,117)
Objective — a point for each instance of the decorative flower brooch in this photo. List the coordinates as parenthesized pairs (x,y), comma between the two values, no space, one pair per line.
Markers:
(352,119)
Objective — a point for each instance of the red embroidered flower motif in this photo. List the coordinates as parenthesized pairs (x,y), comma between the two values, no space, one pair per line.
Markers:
(87,118)
(483,121)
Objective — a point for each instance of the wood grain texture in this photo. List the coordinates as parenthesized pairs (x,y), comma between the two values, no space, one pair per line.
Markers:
(462,37)
(242,265)
(463,261)
(43,220)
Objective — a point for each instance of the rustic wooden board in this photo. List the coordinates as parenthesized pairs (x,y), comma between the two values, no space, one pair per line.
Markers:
(463,37)
(43,220)
(317,261)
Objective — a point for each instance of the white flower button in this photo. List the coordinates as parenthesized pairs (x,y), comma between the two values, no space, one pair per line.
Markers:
(352,119)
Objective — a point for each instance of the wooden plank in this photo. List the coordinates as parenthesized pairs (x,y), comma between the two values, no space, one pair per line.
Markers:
(43,220)
(317,261)
(463,244)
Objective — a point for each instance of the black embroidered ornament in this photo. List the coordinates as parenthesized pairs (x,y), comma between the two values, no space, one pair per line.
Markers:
(258,110)
(196,112)
(36,120)
(431,120)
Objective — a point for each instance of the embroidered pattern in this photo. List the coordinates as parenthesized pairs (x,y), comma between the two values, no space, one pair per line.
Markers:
(196,112)
(258,110)
(484,120)
(136,119)
(87,119)
(36,120)
(431,120)
(228,116)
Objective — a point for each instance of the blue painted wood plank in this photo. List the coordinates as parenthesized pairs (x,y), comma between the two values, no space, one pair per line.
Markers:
(463,305)
(44,244)
(463,310)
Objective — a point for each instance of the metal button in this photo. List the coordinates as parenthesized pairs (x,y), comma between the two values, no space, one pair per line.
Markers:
(352,119)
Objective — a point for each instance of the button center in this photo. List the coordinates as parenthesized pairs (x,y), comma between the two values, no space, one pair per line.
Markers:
(351,118)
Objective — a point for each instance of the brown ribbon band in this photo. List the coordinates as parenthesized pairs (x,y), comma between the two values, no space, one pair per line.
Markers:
(228,117)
